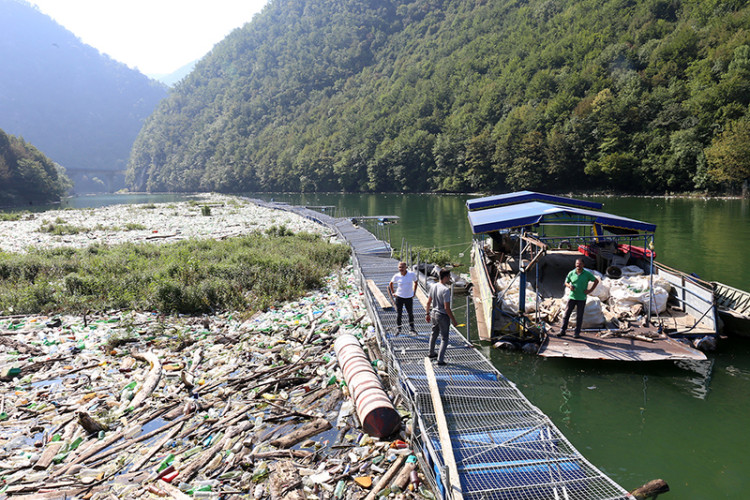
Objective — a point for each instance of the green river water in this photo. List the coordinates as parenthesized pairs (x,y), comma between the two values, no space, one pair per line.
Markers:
(636,422)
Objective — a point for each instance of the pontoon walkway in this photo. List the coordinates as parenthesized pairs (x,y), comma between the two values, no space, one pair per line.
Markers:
(504,446)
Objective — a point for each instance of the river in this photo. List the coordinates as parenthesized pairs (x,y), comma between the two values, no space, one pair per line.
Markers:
(636,422)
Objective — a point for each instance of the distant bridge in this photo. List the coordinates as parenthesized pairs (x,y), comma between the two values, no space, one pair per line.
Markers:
(107,176)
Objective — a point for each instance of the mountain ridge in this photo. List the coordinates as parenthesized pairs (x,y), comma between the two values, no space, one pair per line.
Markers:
(78,106)
(446,95)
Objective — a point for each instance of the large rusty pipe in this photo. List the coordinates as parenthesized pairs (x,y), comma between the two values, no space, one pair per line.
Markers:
(375,410)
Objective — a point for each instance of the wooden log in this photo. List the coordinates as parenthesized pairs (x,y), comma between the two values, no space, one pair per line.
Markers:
(651,489)
(443,432)
(379,297)
(202,459)
(402,480)
(144,437)
(174,491)
(48,454)
(386,478)
(154,449)
(262,455)
(152,379)
(90,425)
(284,474)
(309,429)
(91,451)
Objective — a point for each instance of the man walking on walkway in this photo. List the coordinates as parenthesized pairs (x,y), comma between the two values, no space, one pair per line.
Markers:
(439,315)
(406,286)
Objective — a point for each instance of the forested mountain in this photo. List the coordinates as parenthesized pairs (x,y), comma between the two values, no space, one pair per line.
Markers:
(458,95)
(81,108)
(26,175)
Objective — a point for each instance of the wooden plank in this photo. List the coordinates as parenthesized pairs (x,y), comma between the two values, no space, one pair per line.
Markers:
(421,297)
(444,433)
(383,302)
(49,453)
(476,297)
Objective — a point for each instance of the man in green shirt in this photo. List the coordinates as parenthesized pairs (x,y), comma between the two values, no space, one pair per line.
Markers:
(577,282)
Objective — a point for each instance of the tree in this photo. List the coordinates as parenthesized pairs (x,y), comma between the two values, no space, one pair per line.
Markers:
(729,155)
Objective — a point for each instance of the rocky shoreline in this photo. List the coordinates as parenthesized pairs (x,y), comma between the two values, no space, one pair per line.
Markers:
(127,404)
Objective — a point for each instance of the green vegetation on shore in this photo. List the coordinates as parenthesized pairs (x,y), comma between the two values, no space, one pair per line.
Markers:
(27,175)
(248,274)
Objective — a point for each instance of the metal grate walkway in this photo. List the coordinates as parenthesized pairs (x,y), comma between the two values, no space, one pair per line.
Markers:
(504,447)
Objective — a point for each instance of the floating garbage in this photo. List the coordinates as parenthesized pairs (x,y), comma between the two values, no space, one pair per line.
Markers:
(134,403)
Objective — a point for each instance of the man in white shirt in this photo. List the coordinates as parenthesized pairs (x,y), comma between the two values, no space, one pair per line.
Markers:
(406,285)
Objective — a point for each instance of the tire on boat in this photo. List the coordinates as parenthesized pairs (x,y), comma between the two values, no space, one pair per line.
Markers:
(614,272)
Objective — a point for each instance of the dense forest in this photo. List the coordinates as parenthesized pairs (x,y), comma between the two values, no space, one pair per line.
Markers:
(80,107)
(631,96)
(26,175)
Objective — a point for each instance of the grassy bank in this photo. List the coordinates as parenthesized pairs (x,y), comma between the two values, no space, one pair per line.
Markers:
(248,273)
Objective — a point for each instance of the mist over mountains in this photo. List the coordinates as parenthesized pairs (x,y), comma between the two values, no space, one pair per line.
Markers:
(79,107)
(641,96)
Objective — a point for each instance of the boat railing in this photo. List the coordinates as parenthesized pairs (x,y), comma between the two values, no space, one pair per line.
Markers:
(694,296)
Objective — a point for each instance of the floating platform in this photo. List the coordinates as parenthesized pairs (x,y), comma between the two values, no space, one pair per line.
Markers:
(593,346)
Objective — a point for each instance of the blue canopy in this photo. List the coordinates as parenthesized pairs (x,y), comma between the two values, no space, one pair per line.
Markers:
(527,196)
(537,213)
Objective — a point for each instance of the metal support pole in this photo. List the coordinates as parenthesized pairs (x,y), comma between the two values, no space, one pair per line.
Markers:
(468,315)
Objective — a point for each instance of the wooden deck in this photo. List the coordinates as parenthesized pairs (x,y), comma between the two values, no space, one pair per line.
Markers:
(591,346)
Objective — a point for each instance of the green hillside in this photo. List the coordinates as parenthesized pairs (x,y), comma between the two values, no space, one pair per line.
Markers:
(26,175)
(424,95)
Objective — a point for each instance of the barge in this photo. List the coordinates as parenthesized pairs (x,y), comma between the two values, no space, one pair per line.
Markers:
(524,245)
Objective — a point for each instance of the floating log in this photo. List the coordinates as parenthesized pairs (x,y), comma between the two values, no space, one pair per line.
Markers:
(651,489)
(90,425)
(152,379)
(309,429)
(154,449)
(47,455)
(402,480)
(386,478)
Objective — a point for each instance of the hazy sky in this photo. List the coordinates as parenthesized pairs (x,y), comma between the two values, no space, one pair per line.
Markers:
(156,36)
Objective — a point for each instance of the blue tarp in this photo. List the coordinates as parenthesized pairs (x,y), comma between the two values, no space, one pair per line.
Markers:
(533,213)
(527,196)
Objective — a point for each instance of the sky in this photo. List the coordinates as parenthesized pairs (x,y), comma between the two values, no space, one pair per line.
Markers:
(155,36)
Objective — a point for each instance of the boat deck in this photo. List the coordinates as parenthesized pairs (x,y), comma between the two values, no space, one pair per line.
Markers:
(504,447)
(593,346)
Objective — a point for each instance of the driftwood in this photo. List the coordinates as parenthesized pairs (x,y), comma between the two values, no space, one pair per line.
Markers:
(386,478)
(90,452)
(174,492)
(48,454)
(192,468)
(262,455)
(144,437)
(152,379)
(154,449)
(403,477)
(651,489)
(89,424)
(21,347)
(310,429)
(284,481)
